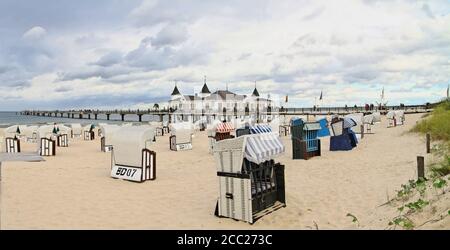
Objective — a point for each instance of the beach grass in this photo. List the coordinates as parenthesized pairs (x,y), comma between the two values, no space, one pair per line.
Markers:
(438,125)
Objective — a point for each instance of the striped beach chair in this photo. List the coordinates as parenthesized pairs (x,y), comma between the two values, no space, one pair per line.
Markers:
(251,183)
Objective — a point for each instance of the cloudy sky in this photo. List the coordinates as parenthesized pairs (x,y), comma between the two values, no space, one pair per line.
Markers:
(125,54)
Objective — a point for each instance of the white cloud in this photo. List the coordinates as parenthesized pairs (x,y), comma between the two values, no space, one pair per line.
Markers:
(350,51)
(35,33)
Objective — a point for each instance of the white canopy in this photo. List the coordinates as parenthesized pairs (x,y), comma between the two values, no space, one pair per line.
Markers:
(390,115)
(368,119)
(76,128)
(376,117)
(183,131)
(29,131)
(63,129)
(108,131)
(128,144)
(45,131)
(358,118)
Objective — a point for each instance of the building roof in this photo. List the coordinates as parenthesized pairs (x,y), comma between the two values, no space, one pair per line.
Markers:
(255,92)
(205,89)
(175,91)
(225,95)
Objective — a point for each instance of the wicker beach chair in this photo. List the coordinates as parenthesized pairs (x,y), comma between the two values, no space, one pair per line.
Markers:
(131,157)
(251,183)
(343,137)
(305,141)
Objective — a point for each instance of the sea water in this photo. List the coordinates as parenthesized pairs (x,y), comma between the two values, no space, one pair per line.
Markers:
(14,118)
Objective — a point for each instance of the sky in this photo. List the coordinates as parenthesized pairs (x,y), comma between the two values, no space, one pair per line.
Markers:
(129,54)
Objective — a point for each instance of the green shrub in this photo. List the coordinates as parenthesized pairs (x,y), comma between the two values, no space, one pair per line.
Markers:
(438,125)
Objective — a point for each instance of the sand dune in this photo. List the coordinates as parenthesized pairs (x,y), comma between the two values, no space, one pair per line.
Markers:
(73,190)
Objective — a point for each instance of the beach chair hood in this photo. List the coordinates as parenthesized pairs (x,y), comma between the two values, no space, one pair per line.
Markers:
(108,131)
(128,143)
(368,119)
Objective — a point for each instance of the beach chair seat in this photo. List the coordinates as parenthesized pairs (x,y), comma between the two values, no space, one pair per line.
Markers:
(131,157)
(12,145)
(251,183)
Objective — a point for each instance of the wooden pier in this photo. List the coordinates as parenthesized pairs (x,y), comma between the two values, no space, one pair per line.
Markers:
(161,113)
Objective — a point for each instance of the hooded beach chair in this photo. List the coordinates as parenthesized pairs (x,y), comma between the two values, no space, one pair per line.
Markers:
(305,141)
(166,128)
(131,157)
(12,144)
(77,130)
(368,121)
(343,137)
(251,184)
(399,117)
(88,132)
(46,140)
(107,132)
(223,131)
(358,118)
(390,116)
(158,126)
(62,137)
(181,136)
(211,132)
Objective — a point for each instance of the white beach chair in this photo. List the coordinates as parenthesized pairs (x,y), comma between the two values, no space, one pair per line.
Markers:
(88,133)
(399,117)
(251,184)
(390,116)
(358,118)
(158,126)
(12,145)
(181,136)
(46,141)
(368,121)
(62,138)
(107,132)
(131,157)
(77,130)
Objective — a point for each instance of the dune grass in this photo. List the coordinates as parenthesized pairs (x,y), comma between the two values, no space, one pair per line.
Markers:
(438,125)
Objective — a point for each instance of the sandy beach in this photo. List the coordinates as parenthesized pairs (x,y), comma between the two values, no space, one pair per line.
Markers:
(74,190)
